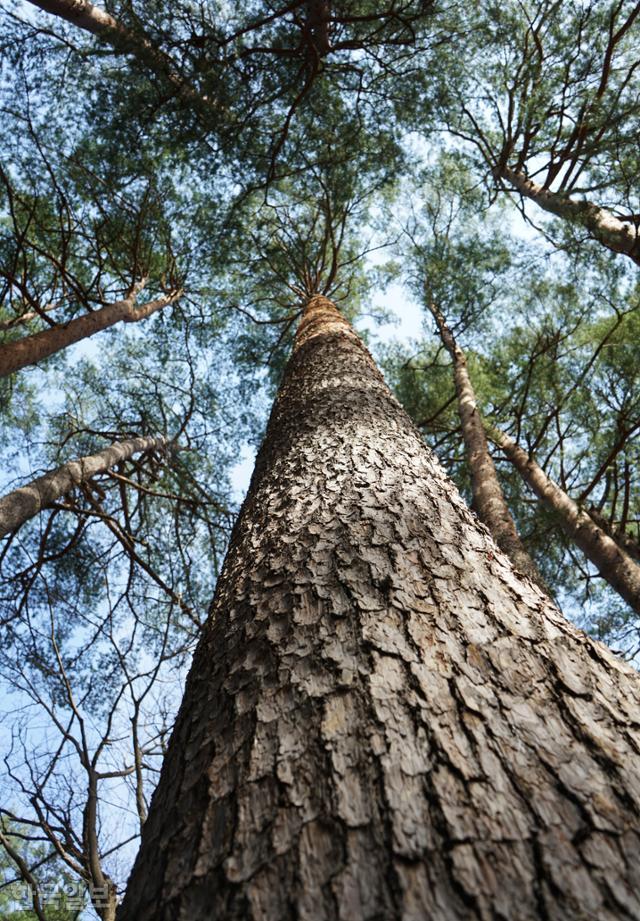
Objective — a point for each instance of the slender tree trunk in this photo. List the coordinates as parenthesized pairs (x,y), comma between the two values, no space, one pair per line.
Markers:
(31,349)
(86,16)
(23,503)
(618,236)
(624,540)
(488,498)
(614,565)
(106,904)
(382,720)
(25,875)
(93,19)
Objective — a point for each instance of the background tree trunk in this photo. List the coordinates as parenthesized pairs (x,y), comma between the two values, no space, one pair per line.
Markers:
(614,565)
(488,498)
(23,503)
(88,17)
(31,349)
(618,236)
(382,721)
(94,19)
(622,539)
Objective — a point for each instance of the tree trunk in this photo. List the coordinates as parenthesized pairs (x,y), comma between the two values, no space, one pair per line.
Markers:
(105,905)
(23,503)
(615,532)
(318,23)
(614,565)
(618,236)
(31,349)
(488,498)
(86,16)
(383,721)
(93,19)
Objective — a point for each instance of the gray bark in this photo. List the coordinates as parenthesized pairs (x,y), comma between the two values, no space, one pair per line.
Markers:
(488,498)
(382,720)
(614,565)
(31,349)
(619,236)
(23,503)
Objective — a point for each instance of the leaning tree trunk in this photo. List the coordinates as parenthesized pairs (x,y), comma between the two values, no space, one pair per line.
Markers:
(26,501)
(31,349)
(616,532)
(614,565)
(93,19)
(383,721)
(617,235)
(488,498)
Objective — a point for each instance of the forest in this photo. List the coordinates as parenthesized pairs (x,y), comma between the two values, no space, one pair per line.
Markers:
(319,460)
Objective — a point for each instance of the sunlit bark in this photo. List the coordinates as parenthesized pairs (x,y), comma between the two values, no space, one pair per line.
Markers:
(99,22)
(617,235)
(488,498)
(32,349)
(23,503)
(614,565)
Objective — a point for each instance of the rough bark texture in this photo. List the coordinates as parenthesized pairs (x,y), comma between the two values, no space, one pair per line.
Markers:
(614,565)
(32,349)
(488,498)
(618,236)
(382,721)
(23,503)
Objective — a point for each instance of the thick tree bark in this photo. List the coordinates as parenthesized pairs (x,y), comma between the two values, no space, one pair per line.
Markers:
(488,498)
(612,562)
(31,349)
(618,236)
(382,720)
(23,503)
